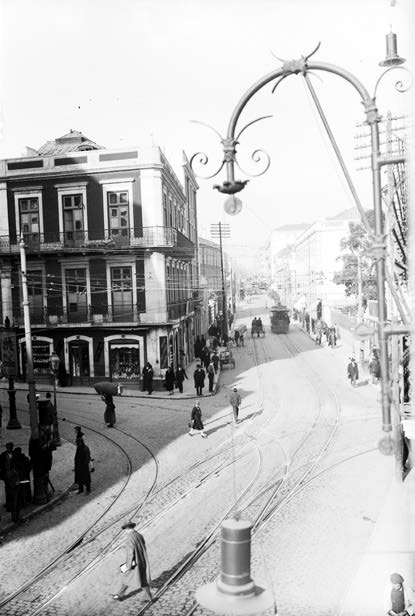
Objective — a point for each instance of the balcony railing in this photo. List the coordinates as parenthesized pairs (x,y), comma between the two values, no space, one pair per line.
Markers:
(117,313)
(96,240)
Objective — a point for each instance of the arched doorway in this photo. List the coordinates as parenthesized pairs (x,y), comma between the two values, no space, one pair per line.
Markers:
(79,366)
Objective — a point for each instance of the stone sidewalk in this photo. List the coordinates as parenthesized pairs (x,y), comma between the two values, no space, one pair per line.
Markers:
(61,477)
(392,545)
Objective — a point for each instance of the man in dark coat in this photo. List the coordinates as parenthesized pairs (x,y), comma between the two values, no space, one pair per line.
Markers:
(180,376)
(352,371)
(10,477)
(199,379)
(82,472)
(198,347)
(23,467)
(169,379)
(136,568)
(215,362)
(148,374)
(206,357)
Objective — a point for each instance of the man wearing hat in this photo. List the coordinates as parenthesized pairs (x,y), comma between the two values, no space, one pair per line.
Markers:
(136,568)
(397,598)
(352,371)
(235,401)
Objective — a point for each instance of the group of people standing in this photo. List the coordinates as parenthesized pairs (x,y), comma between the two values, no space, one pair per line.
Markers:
(15,469)
(174,379)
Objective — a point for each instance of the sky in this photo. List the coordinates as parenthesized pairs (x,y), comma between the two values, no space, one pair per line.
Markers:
(139,72)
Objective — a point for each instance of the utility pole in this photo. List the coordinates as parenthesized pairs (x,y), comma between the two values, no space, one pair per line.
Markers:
(35,453)
(220,231)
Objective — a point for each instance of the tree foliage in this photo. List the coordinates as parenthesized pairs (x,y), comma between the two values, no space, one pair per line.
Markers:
(355,249)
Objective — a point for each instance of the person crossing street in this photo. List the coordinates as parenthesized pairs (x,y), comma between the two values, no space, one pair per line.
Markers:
(235,401)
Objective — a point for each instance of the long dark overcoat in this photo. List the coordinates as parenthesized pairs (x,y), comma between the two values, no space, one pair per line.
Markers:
(109,414)
(199,377)
(170,378)
(82,459)
(196,418)
(135,551)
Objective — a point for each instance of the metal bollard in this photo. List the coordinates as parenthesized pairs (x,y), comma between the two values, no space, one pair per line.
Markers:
(234,592)
(235,575)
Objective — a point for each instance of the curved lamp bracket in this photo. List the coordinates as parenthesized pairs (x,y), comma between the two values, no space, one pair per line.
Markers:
(399,86)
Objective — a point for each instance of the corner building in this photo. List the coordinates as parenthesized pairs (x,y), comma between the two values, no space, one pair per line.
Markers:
(111,237)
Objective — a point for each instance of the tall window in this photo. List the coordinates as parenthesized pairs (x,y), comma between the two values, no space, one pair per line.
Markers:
(122,293)
(76,294)
(118,214)
(29,219)
(35,293)
(73,219)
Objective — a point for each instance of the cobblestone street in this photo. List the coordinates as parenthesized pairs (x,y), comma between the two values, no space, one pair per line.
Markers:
(290,401)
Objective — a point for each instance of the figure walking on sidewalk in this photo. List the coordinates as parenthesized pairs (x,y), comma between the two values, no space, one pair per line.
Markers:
(352,371)
(137,566)
(148,375)
(180,376)
(211,376)
(199,379)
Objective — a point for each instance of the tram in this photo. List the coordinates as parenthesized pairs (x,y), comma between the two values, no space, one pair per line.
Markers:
(279,319)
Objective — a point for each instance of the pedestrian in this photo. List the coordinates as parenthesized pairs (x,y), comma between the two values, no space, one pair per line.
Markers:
(211,376)
(236,337)
(135,570)
(241,338)
(206,357)
(374,369)
(180,376)
(169,379)
(9,475)
(352,371)
(235,401)
(198,348)
(203,341)
(82,466)
(148,375)
(398,599)
(196,423)
(215,362)
(199,379)
(23,467)
(40,454)
(109,413)
(78,432)
(54,417)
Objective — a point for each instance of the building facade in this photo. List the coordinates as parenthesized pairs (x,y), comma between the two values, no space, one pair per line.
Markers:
(110,238)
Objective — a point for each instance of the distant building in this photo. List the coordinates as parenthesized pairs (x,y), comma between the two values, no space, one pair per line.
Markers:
(317,251)
(211,281)
(111,237)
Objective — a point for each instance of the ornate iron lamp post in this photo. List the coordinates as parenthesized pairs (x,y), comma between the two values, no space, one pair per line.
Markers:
(230,186)
(54,362)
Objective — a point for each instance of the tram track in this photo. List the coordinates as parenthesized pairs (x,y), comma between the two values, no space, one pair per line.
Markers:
(77,544)
(265,511)
(81,540)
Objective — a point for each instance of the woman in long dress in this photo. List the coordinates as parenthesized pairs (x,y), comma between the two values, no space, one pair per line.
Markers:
(196,424)
(109,414)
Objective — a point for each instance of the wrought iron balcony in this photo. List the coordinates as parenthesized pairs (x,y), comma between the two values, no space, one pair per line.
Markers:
(158,239)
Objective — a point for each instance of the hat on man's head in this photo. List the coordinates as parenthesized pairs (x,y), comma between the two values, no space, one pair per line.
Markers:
(396,578)
(129,525)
